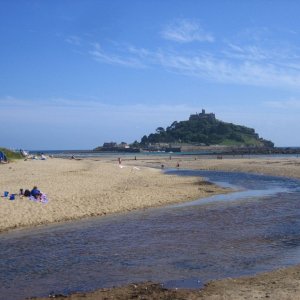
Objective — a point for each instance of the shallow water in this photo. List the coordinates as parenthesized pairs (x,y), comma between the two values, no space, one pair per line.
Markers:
(256,229)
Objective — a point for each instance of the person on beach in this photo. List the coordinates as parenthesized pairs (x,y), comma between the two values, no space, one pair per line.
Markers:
(35,193)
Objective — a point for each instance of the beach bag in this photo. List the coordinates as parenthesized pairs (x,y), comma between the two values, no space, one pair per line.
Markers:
(27,193)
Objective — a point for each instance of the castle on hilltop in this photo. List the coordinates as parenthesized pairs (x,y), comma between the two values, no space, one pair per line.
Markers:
(202,116)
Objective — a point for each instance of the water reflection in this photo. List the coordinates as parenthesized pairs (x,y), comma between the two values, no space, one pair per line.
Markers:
(183,246)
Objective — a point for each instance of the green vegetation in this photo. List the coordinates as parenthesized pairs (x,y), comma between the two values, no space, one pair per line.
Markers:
(11,155)
(206,131)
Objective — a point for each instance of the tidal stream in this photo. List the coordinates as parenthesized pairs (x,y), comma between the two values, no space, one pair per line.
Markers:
(252,230)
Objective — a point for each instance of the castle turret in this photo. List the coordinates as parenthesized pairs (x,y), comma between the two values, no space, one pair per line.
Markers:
(202,116)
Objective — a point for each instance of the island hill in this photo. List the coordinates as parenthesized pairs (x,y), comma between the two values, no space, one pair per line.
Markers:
(202,131)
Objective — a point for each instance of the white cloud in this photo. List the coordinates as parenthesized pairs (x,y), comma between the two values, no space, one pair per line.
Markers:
(248,65)
(87,124)
(63,110)
(81,124)
(246,53)
(256,64)
(122,59)
(291,104)
(211,68)
(186,31)
(74,40)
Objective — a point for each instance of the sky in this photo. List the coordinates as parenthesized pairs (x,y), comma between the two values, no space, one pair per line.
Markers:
(77,73)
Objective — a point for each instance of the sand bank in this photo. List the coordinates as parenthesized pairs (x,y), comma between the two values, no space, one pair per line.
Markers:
(82,188)
(282,284)
(95,187)
(91,187)
(288,167)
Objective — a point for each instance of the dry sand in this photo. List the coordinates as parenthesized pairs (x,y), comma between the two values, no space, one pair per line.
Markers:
(85,188)
(82,188)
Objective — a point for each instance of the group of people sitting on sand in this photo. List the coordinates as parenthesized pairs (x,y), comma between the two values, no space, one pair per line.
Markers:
(35,195)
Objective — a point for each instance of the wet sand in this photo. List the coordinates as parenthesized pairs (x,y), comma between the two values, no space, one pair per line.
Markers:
(288,167)
(277,285)
(70,183)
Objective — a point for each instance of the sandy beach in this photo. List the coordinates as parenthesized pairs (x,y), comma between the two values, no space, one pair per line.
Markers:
(94,187)
(281,166)
(85,188)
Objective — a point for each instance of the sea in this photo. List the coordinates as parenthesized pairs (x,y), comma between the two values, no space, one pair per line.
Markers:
(200,154)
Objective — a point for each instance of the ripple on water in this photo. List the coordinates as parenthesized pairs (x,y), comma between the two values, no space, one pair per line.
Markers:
(186,245)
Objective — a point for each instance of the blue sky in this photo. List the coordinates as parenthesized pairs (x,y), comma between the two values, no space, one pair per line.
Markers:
(78,73)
